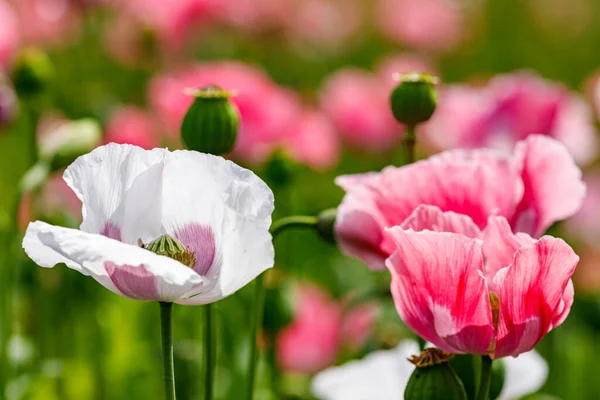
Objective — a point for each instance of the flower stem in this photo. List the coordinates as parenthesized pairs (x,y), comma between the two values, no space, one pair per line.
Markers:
(279,226)
(209,364)
(167,347)
(485,378)
(410,141)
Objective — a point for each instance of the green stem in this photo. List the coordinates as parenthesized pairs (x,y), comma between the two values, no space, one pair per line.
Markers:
(209,364)
(167,347)
(410,141)
(485,378)
(278,227)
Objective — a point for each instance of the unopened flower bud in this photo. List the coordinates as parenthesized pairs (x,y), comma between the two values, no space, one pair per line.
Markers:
(63,145)
(168,246)
(434,378)
(415,97)
(211,123)
(32,73)
(325,225)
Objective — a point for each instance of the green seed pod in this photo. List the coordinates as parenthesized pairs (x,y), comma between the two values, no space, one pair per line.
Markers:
(211,123)
(415,97)
(326,223)
(168,246)
(32,73)
(434,378)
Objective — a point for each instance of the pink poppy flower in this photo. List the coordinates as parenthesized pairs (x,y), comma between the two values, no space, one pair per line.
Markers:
(357,103)
(428,24)
(313,141)
(131,125)
(357,325)
(536,186)
(9,34)
(585,224)
(480,292)
(57,197)
(131,195)
(508,109)
(267,110)
(312,341)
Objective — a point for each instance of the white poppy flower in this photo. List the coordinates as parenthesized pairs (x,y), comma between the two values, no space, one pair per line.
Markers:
(383,375)
(219,211)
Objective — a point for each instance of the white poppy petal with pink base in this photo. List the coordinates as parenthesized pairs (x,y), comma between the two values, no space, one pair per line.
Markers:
(124,269)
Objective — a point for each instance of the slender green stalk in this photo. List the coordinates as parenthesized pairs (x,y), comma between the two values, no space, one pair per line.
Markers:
(209,364)
(485,378)
(167,347)
(279,226)
(410,141)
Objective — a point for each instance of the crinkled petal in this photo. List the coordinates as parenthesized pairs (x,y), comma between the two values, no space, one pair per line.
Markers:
(433,219)
(439,289)
(525,374)
(554,189)
(530,291)
(381,375)
(124,269)
(473,186)
(500,245)
(120,188)
(222,213)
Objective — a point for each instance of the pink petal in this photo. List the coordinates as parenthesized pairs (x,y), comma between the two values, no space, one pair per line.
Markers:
(564,307)
(200,240)
(471,185)
(434,219)
(531,291)
(439,289)
(133,281)
(500,245)
(553,186)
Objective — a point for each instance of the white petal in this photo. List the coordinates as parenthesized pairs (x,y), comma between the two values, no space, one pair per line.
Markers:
(223,213)
(124,269)
(120,188)
(525,374)
(381,375)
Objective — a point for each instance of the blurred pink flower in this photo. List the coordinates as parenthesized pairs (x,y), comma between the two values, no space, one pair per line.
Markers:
(132,125)
(172,21)
(508,109)
(587,275)
(323,22)
(536,186)
(357,325)
(46,21)
(311,342)
(357,103)
(254,15)
(425,24)
(313,141)
(9,34)
(585,224)
(57,197)
(406,62)
(479,292)
(267,110)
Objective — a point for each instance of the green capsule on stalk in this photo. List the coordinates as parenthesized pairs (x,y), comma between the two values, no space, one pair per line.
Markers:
(168,246)
(212,121)
(414,99)
(32,73)
(434,378)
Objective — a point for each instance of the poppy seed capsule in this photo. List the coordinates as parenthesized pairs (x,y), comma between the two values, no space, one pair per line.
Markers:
(434,378)
(168,246)
(414,99)
(32,73)
(211,123)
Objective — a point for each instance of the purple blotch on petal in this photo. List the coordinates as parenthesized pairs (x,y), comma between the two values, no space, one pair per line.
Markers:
(133,282)
(200,240)
(111,230)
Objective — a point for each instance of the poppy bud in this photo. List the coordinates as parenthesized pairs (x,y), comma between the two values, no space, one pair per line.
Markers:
(168,246)
(414,99)
(325,224)
(32,73)
(211,123)
(434,378)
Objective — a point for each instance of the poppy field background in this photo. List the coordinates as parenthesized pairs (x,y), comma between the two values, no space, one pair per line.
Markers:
(122,65)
